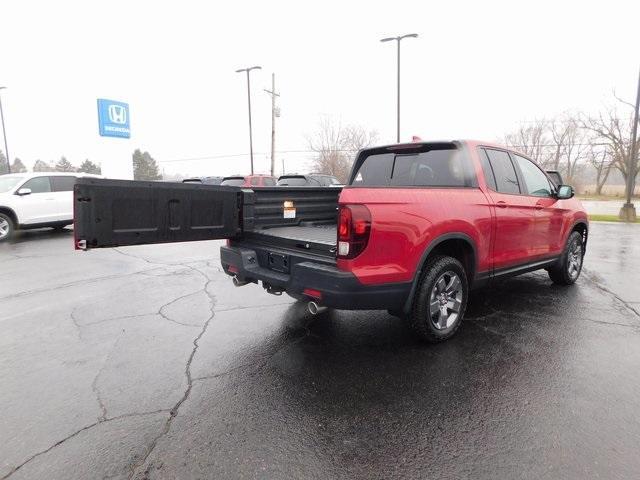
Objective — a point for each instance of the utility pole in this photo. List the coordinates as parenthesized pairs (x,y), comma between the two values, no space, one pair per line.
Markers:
(273,94)
(398,39)
(249,102)
(628,210)
(4,133)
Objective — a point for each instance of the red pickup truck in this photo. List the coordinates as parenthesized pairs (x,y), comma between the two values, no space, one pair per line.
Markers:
(417,227)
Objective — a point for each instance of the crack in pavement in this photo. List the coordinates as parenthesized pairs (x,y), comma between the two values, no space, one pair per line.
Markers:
(173,413)
(76,282)
(592,279)
(94,384)
(77,432)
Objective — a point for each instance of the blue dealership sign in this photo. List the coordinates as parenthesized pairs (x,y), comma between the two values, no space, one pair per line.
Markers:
(113,118)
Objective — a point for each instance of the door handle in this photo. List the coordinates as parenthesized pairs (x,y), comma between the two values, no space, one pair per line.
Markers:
(501,204)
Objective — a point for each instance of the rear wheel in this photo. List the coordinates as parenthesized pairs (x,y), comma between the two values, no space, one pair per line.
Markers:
(567,270)
(440,300)
(7,227)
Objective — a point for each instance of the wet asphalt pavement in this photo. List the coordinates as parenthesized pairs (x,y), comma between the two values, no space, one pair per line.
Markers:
(145,362)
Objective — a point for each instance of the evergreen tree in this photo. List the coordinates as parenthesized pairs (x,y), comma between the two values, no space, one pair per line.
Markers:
(17,166)
(3,163)
(65,165)
(41,166)
(89,167)
(144,166)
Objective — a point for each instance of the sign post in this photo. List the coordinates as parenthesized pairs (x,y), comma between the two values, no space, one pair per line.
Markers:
(114,121)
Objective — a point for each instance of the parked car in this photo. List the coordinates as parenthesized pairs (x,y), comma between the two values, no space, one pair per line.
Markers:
(205,180)
(35,200)
(555,176)
(249,181)
(418,226)
(309,180)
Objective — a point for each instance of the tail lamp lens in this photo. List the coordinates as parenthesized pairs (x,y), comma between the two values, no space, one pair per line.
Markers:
(354,226)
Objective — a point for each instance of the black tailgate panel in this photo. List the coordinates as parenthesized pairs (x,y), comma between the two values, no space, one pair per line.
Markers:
(108,213)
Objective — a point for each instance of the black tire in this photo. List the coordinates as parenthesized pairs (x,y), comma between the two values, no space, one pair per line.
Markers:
(568,267)
(434,327)
(59,228)
(7,227)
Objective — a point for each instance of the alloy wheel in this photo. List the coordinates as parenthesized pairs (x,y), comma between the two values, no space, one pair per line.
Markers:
(574,259)
(445,300)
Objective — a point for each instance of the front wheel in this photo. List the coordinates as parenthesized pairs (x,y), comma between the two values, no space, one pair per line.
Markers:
(6,227)
(567,270)
(440,300)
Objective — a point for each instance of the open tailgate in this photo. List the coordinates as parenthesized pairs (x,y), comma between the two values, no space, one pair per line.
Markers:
(109,213)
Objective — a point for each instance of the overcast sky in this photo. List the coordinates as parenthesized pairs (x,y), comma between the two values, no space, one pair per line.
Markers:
(476,71)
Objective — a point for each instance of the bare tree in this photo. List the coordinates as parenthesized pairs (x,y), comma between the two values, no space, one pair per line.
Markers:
(613,130)
(335,146)
(575,150)
(530,139)
(602,161)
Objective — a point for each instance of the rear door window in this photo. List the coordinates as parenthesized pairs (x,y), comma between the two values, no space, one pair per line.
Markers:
(38,185)
(63,184)
(505,174)
(443,166)
(487,170)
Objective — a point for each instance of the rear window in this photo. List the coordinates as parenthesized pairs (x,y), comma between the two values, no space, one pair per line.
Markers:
(233,182)
(269,181)
(440,166)
(292,181)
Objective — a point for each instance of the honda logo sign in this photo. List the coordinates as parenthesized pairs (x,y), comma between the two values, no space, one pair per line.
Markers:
(113,118)
(117,114)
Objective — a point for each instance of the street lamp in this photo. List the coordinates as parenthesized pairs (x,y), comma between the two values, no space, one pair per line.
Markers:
(628,211)
(398,39)
(4,133)
(249,101)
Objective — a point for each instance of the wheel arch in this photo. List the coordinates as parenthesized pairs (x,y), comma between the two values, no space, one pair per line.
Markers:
(457,245)
(10,213)
(582,227)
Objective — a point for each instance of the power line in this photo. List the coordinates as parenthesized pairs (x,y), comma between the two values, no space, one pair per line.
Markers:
(235,155)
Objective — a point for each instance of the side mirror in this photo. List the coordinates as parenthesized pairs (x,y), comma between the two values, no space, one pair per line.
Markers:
(564,192)
(24,191)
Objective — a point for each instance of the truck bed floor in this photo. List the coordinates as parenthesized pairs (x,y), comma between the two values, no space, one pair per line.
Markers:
(317,234)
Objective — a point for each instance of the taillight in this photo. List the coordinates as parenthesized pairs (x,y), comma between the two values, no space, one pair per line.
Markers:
(354,226)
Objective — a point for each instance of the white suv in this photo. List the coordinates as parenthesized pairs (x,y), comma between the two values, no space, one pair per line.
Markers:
(34,200)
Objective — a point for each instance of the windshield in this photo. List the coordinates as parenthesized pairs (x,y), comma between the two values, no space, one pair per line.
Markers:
(233,182)
(7,182)
(292,181)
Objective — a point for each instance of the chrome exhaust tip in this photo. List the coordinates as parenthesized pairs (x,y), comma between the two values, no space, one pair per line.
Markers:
(239,283)
(315,309)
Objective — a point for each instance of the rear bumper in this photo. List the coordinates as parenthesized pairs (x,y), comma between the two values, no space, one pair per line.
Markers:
(338,289)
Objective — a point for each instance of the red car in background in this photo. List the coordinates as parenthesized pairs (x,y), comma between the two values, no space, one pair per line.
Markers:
(257,180)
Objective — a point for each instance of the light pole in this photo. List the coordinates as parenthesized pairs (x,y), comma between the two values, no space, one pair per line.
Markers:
(249,101)
(398,39)
(628,211)
(273,94)
(4,133)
